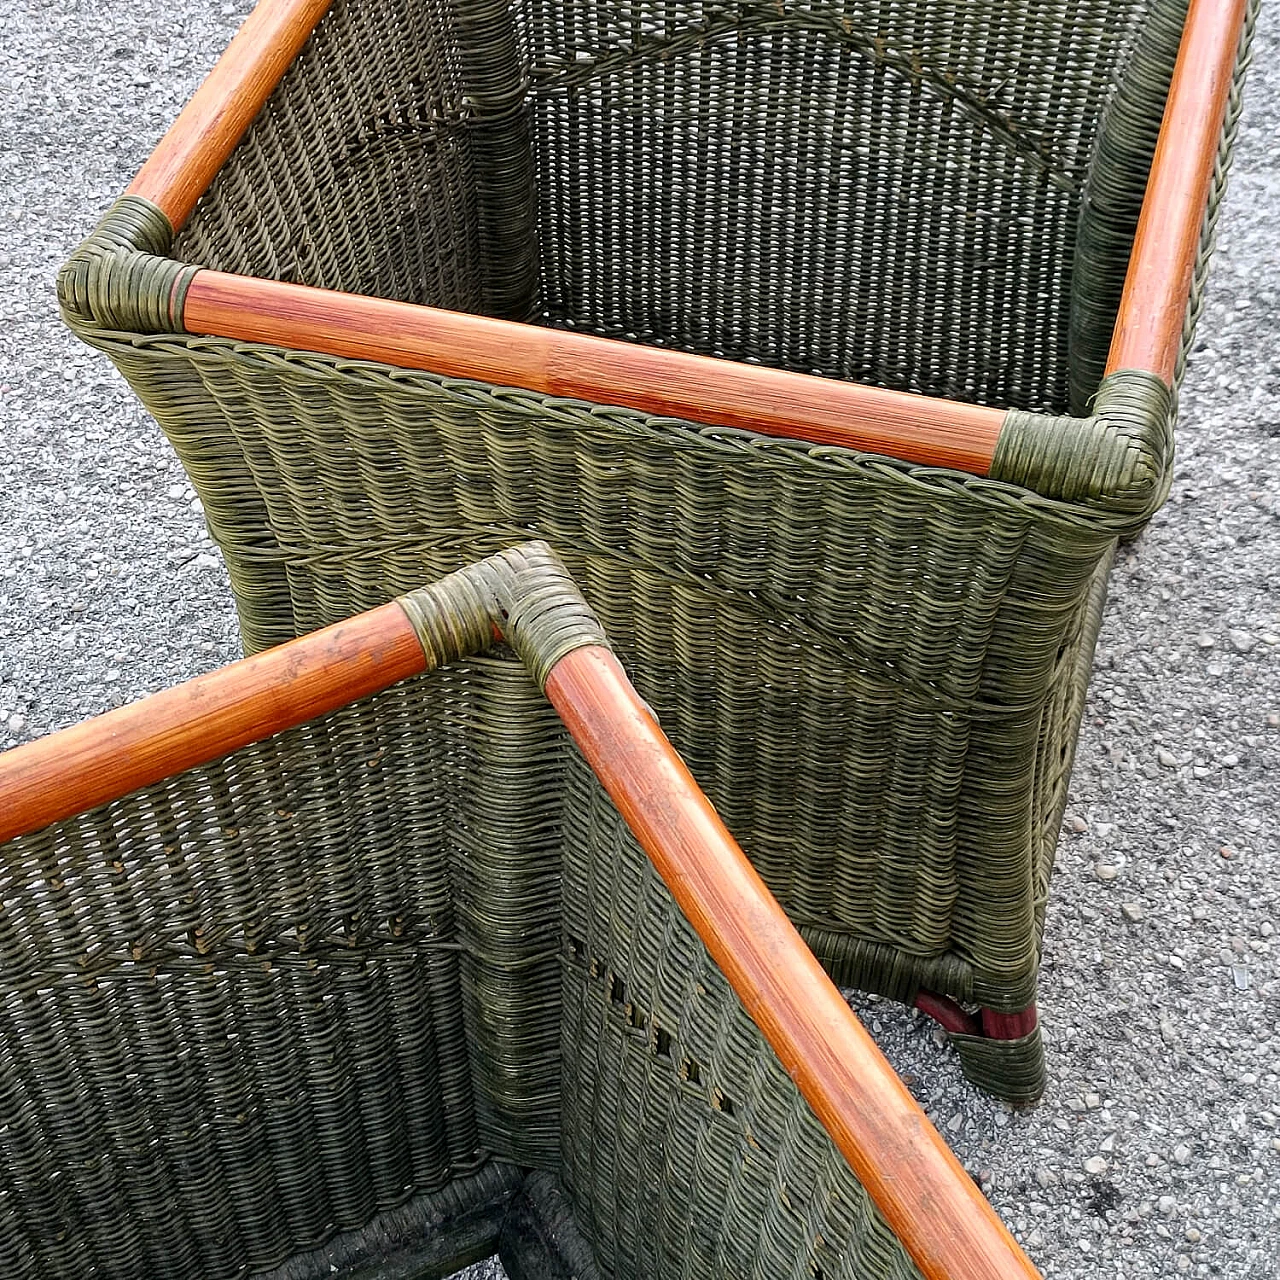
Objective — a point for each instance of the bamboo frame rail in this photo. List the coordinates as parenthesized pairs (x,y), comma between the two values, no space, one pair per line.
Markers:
(1148,331)
(919,429)
(925,1196)
(91,763)
(653,380)
(945,1223)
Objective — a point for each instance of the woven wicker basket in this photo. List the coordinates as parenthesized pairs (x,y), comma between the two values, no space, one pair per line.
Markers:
(298,986)
(846,494)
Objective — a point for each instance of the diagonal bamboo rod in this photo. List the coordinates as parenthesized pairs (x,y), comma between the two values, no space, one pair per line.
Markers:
(932,1205)
(198,143)
(134,746)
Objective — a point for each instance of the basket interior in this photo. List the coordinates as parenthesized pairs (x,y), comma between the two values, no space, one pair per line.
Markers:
(875,191)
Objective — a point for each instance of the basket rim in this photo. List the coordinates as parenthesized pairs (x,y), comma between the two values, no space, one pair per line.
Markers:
(915,428)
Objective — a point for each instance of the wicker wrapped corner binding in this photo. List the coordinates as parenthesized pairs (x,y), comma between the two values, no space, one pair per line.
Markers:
(856,560)
(298,986)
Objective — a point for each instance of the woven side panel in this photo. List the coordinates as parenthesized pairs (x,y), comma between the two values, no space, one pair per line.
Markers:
(878,190)
(852,656)
(1112,201)
(195,414)
(688,1150)
(495,83)
(358,173)
(1113,195)
(1059,732)
(234,1008)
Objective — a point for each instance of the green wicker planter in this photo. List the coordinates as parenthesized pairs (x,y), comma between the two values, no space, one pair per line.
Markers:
(396,988)
(875,667)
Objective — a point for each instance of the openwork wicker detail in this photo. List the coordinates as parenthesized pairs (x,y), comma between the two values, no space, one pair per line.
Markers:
(656,1046)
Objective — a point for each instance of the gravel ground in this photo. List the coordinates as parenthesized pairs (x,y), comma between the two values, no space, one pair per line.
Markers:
(1157,1149)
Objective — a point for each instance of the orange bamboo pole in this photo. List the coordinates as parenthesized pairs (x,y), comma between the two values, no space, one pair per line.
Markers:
(197,145)
(1148,332)
(723,393)
(932,1205)
(116,753)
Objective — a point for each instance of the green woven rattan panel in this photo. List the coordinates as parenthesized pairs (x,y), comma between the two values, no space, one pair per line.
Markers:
(878,191)
(267,1000)
(688,1150)
(381,120)
(293,1014)
(858,660)
(885,192)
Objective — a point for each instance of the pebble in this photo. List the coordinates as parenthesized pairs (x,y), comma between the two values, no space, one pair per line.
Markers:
(1182,1154)
(1166,758)
(1095,1166)
(1077,823)
(1133,912)
(1193,1235)
(1204,641)
(1105,871)
(1241,641)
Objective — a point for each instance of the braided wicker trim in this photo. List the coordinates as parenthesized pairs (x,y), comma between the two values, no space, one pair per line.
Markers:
(120,279)
(526,593)
(1119,460)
